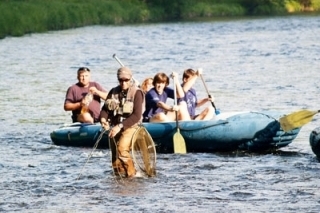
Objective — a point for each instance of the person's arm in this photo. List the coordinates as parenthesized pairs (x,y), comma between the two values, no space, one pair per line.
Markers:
(104,114)
(69,102)
(101,94)
(203,101)
(98,90)
(72,106)
(167,107)
(104,119)
(191,81)
(180,92)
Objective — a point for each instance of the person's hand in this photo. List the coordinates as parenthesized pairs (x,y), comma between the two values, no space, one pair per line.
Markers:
(210,99)
(174,75)
(105,124)
(114,131)
(175,108)
(93,90)
(199,71)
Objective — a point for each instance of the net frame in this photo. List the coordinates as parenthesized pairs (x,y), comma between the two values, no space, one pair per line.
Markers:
(144,152)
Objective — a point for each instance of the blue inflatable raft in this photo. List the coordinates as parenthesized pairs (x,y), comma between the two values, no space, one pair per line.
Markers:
(254,131)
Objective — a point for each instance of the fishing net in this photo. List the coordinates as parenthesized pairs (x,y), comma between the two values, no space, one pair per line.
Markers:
(144,152)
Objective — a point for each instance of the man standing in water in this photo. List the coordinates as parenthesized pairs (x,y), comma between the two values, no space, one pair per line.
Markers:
(123,110)
(84,98)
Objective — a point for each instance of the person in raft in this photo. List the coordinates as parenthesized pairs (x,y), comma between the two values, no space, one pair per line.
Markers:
(190,96)
(157,110)
(146,85)
(84,98)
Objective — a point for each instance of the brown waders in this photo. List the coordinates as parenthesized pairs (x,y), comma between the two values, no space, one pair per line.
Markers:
(122,162)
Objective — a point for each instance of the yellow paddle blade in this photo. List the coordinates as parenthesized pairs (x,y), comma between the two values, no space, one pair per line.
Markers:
(296,119)
(179,145)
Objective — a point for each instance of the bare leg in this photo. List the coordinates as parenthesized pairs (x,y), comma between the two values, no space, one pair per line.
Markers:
(206,114)
(160,117)
(183,112)
(85,118)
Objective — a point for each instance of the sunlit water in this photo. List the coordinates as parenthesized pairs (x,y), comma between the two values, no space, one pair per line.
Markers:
(261,64)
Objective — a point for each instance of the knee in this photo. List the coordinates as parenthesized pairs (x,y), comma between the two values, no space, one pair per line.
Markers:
(210,109)
(159,117)
(85,118)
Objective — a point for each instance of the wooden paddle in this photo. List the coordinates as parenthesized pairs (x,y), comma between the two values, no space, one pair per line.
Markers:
(179,145)
(296,119)
(209,96)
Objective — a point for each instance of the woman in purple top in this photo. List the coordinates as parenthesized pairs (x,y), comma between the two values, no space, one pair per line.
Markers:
(190,98)
(83,110)
(156,108)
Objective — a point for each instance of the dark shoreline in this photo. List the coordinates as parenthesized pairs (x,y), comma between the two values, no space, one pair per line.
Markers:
(20,17)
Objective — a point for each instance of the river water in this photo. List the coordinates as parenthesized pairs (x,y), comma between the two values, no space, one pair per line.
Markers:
(248,64)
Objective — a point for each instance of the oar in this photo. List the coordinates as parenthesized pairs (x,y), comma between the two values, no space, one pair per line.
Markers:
(296,119)
(215,109)
(179,145)
(122,65)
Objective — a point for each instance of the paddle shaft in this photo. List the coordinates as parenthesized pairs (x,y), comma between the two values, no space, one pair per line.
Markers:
(179,145)
(175,99)
(122,65)
(208,92)
(118,60)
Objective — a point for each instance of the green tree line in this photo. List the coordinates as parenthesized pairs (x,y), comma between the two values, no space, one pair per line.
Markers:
(20,17)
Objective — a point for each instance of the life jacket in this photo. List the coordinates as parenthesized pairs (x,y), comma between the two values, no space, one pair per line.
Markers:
(125,103)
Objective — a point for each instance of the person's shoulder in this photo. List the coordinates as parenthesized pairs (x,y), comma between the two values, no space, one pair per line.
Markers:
(167,89)
(140,92)
(94,83)
(152,91)
(74,86)
(115,89)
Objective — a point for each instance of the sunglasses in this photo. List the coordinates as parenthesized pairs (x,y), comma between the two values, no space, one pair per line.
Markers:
(123,80)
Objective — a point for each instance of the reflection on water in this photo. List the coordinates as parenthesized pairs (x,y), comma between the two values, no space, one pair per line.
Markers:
(248,65)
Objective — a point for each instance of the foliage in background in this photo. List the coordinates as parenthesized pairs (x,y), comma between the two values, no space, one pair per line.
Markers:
(19,17)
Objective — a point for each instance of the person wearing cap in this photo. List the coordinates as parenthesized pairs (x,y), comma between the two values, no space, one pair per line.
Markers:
(122,115)
(190,98)
(77,100)
(157,110)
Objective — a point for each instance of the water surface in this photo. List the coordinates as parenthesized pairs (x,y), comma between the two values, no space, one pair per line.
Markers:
(252,64)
